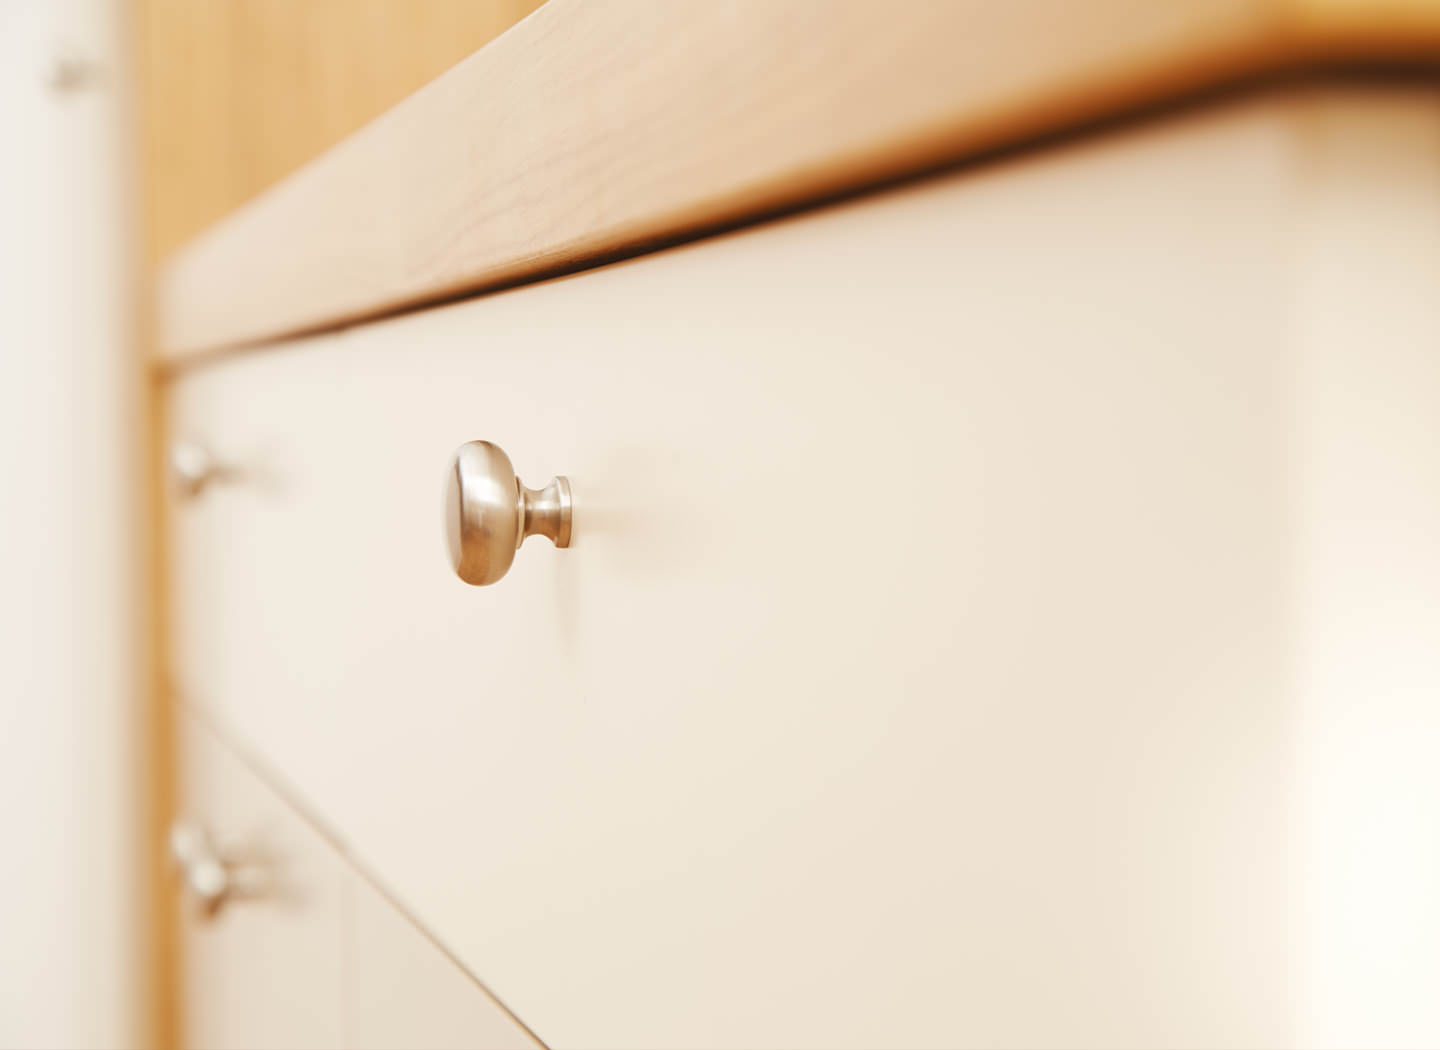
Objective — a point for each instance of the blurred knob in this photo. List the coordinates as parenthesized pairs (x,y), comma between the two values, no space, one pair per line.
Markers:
(192,468)
(205,873)
(67,71)
(488,512)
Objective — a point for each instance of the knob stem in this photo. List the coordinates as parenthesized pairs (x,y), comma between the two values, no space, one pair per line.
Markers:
(545,512)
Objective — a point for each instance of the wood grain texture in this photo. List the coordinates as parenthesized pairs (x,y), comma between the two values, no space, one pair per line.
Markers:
(239,93)
(597,127)
(1363,28)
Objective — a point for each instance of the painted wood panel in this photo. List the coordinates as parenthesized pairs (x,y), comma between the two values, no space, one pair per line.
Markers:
(77,954)
(403,991)
(265,970)
(310,953)
(922,672)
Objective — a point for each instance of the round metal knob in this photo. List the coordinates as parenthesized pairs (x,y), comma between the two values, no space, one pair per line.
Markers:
(69,71)
(205,872)
(192,468)
(213,876)
(488,512)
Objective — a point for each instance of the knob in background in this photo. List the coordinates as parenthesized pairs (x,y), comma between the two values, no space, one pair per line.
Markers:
(192,468)
(205,873)
(215,877)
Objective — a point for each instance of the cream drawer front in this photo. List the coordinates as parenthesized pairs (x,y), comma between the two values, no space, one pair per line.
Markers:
(401,991)
(305,952)
(263,969)
(923,671)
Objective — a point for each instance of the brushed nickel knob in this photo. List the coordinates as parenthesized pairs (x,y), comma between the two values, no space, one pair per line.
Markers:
(192,468)
(205,872)
(69,71)
(214,877)
(489,512)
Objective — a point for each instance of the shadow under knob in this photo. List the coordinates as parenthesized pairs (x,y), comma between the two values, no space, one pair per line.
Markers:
(488,512)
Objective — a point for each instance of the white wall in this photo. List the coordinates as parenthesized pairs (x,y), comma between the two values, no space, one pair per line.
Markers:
(69,714)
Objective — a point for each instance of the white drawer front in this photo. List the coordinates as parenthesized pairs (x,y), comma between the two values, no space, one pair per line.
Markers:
(922,669)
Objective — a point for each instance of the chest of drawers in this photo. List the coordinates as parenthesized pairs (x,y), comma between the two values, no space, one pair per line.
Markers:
(999,609)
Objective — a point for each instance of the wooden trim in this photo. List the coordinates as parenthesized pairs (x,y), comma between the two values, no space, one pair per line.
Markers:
(596,128)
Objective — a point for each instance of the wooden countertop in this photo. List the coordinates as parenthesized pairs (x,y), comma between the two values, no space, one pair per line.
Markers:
(598,128)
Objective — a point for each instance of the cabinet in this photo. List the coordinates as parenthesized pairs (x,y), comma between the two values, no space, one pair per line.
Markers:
(957,642)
